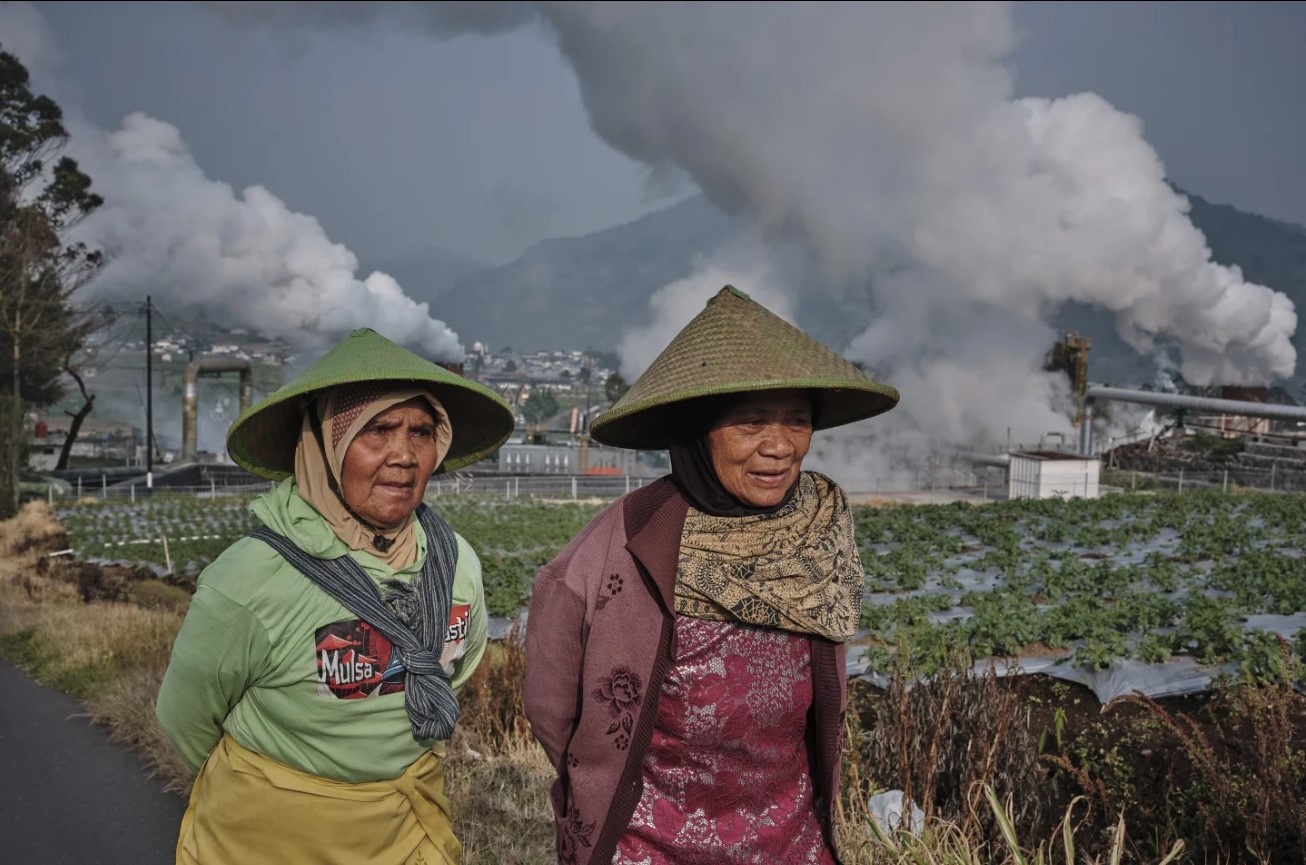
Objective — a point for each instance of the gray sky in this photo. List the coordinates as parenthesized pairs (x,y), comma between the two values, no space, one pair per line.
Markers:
(1220,87)
(395,142)
(398,142)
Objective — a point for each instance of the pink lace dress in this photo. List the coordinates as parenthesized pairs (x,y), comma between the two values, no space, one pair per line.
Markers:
(726,776)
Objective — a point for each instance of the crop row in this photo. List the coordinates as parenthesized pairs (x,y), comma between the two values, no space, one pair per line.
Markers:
(1125,576)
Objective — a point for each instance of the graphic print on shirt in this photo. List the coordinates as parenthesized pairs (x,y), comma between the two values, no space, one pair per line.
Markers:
(354,660)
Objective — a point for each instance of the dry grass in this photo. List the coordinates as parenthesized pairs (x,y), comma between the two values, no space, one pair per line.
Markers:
(159,595)
(498,776)
(126,707)
(32,532)
(501,807)
(24,542)
(942,742)
(113,638)
(942,842)
(1228,774)
(1250,797)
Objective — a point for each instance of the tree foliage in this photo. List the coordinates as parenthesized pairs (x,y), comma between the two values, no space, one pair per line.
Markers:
(541,405)
(43,196)
(615,387)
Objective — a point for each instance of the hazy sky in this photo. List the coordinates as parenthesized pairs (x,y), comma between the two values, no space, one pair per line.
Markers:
(398,142)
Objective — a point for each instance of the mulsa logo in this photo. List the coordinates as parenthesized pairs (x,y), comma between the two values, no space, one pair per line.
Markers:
(354,660)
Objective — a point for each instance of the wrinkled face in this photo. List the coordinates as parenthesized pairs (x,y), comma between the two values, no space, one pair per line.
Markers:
(758,446)
(388,464)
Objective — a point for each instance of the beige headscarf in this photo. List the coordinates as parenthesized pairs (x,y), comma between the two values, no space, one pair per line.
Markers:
(344,411)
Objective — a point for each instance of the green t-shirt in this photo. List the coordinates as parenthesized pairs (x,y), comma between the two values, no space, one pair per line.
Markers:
(289,672)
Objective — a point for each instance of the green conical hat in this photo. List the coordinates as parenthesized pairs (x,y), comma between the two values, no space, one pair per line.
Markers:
(263,438)
(733,346)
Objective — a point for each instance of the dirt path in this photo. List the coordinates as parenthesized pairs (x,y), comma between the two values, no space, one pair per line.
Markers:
(69,795)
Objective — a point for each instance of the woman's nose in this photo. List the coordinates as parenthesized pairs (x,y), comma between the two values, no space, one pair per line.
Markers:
(402,451)
(776,442)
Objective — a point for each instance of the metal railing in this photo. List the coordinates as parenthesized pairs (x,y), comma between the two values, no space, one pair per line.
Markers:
(1232,479)
(980,483)
(532,487)
(548,487)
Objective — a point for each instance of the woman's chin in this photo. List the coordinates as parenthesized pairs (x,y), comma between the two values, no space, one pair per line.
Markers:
(388,518)
(763,498)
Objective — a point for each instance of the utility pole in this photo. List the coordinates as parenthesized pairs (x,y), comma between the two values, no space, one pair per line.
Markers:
(589,383)
(585,420)
(149,392)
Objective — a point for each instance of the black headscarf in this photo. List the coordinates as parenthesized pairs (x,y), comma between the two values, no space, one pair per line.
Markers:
(692,469)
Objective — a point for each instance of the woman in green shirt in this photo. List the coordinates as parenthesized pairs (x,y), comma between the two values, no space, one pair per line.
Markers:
(313,682)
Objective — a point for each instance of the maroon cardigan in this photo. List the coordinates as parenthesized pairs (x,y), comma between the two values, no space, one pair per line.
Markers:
(599,641)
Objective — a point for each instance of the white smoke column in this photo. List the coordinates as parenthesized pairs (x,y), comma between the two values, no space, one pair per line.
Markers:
(671,308)
(243,259)
(886,134)
(195,244)
(886,138)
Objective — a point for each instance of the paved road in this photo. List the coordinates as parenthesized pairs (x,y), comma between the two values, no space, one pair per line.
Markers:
(69,795)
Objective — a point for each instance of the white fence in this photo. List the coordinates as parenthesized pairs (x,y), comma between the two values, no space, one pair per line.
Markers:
(543,487)
(937,484)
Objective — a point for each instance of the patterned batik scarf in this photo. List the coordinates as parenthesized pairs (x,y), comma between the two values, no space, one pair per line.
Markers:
(796,569)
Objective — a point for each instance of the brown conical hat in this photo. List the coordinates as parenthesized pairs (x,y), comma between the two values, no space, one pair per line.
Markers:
(737,345)
(263,438)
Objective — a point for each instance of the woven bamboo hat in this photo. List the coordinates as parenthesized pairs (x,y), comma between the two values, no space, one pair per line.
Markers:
(263,438)
(736,345)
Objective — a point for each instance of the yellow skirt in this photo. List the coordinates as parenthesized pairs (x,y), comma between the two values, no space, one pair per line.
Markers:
(247,809)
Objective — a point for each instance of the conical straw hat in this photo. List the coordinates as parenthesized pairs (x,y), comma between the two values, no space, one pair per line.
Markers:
(736,345)
(263,438)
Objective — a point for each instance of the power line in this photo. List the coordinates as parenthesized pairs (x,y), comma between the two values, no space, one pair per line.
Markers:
(173,328)
(96,361)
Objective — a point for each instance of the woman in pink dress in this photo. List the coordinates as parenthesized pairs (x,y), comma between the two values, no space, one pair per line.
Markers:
(685,652)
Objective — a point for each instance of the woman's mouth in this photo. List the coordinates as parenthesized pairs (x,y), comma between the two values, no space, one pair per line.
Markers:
(769,478)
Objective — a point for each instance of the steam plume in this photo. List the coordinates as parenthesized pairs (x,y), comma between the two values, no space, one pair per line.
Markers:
(886,138)
(243,259)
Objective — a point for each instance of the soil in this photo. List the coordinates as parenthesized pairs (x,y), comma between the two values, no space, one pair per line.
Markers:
(111,582)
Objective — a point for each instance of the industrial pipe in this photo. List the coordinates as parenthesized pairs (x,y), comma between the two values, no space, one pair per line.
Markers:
(1237,407)
(190,396)
(983,459)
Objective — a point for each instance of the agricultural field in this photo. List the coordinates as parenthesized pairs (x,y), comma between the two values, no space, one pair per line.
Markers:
(196,530)
(512,539)
(1143,578)
(1149,578)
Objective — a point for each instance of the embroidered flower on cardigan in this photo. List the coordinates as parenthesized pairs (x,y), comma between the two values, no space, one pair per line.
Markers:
(621,692)
(613,588)
(575,834)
